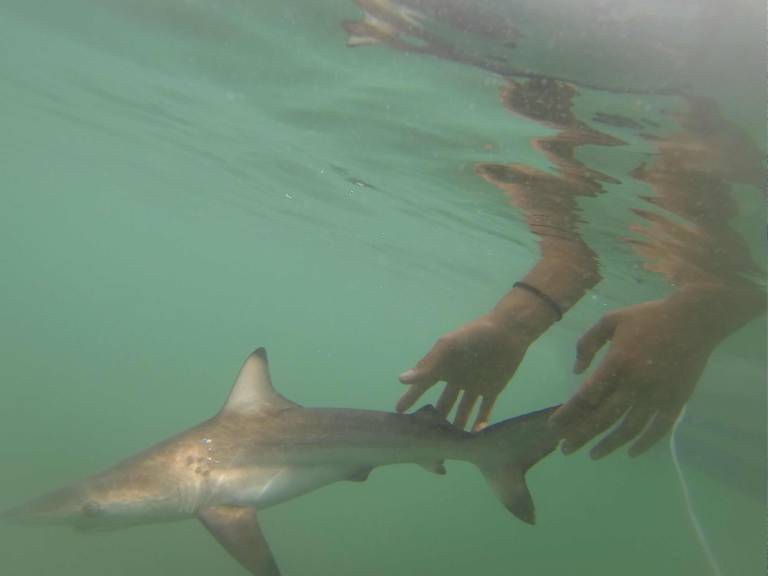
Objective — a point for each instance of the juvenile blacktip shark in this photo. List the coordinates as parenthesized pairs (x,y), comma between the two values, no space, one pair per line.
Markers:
(262,449)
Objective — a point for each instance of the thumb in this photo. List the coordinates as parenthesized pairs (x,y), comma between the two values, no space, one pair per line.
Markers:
(592,340)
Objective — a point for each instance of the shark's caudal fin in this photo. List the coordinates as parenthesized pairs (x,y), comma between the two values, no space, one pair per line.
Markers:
(237,530)
(510,448)
(253,391)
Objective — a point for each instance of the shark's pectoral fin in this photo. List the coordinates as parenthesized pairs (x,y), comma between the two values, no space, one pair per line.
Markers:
(237,530)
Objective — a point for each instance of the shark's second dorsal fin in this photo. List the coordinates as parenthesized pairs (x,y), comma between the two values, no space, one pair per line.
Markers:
(253,391)
(429,412)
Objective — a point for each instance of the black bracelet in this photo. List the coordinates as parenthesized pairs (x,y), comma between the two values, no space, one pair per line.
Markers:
(544,298)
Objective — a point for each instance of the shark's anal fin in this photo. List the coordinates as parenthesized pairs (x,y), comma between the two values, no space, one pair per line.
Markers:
(237,530)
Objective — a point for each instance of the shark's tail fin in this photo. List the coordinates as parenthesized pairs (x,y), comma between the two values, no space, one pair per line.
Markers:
(507,450)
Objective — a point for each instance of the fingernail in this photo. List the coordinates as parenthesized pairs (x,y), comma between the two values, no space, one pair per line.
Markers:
(407,375)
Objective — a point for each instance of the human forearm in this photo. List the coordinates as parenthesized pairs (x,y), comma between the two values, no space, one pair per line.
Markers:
(566,270)
(716,310)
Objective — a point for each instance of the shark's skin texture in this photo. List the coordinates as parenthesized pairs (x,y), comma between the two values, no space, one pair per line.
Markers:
(261,450)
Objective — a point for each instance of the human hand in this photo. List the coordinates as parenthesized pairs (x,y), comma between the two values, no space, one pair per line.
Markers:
(657,354)
(477,360)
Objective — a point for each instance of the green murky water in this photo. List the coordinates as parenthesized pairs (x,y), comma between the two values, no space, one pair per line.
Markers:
(183,182)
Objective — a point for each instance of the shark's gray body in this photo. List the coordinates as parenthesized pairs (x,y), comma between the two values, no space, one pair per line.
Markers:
(262,449)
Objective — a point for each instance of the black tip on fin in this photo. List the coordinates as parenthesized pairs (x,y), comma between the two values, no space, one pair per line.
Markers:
(360,475)
(437,467)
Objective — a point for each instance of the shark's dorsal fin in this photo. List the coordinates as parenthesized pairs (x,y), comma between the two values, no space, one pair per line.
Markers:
(360,475)
(437,467)
(253,391)
(430,413)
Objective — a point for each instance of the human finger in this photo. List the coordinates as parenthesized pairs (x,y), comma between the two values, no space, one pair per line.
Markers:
(427,369)
(661,425)
(465,408)
(633,423)
(589,396)
(413,393)
(605,416)
(418,375)
(592,340)
(484,413)
(448,399)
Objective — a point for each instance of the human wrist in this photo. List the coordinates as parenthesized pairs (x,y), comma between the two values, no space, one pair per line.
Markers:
(545,298)
(721,307)
(523,311)
(710,312)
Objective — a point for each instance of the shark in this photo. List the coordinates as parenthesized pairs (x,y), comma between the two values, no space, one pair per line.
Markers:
(262,449)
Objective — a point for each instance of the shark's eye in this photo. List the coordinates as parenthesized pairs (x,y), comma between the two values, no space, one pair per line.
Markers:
(91,509)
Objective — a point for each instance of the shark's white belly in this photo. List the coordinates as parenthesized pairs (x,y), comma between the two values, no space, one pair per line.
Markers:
(260,488)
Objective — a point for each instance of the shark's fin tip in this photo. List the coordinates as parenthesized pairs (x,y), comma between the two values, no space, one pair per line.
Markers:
(360,475)
(434,467)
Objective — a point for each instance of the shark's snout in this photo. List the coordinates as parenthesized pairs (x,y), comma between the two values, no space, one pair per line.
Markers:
(10,515)
(60,507)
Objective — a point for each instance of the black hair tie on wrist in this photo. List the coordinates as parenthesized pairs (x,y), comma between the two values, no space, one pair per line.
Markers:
(543,297)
